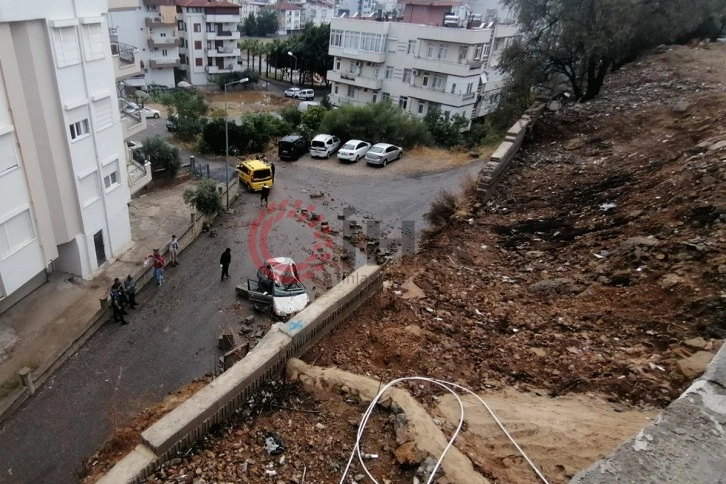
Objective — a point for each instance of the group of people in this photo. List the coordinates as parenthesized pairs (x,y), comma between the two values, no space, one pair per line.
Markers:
(122,295)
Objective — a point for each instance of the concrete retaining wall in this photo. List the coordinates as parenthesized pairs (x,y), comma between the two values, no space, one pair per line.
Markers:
(498,163)
(218,401)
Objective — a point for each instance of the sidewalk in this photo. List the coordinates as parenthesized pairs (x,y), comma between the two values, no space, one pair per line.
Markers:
(56,319)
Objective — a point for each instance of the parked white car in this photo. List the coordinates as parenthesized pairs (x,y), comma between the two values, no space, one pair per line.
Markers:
(382,153)
(324,145)
(292,91)
(150,113)
(353,150)
(305,94)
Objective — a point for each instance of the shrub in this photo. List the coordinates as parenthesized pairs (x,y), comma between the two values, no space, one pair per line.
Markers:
(252,135)
(442,209)
(291,115)
(444,128)
(205,197)
(162,156)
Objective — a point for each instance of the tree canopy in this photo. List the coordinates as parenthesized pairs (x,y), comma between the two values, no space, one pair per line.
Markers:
(581,40)
(262,24)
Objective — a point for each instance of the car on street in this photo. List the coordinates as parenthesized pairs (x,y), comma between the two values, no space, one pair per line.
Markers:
(324,145)
(292,147)
(253,174)
(381,153)
(305,95)
(353,150)
(150,113)
(278,284)
(172,122)
(292,91)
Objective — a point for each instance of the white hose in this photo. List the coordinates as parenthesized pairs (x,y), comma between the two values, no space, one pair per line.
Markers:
(448,386)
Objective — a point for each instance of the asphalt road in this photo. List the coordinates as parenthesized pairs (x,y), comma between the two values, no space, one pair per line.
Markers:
(172,336)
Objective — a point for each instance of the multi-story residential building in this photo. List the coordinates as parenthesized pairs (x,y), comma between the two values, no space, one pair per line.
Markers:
(248,8)
(152,26)
(290,18)
(63,186)
(357,8)
(414,63)
(317,12)
(209,39)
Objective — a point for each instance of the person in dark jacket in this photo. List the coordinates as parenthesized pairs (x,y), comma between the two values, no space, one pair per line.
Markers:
(264,193)
(130,288)
(224,262)
(118,312)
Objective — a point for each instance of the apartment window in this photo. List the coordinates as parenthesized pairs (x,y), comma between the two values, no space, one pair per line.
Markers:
(351,91)
(163,34)
(486,50)
(65,44)
(16,232)
(462,52)
(377,73)
(430,51)
(8,155)
(79,129)
(164,52)
(443,52)
(111,178)
(102,114)
(411,49)
(425,79)
(469,88)
(403,102)
(375,98)
(389,72)
(453,88)
(337,64)
(385,96)
(438,82)
(210,27)
(335,89)
(421,107)
(478,51)
(180,25)
(198,62)
(183,59)
(197,27)
(182,42)
(407,76)
(197,45)
(93,46)
(88,190)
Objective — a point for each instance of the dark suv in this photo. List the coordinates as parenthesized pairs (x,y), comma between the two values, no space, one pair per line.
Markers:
(291,147)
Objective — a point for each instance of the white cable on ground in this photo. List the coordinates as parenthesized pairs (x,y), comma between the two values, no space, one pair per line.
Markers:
(447,386)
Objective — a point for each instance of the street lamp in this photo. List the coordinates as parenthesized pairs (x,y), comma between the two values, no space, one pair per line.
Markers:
(298,79)
(226,137)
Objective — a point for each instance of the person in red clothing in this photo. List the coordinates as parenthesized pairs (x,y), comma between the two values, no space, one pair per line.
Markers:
(158,261)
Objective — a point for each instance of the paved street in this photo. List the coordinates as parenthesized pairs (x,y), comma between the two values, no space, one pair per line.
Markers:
(172,337)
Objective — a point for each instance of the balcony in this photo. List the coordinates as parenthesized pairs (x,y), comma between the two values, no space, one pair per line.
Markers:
(223,52)
(223,19)
(126,61)
(438,96)
(138,175)
(163,42)
(220,70)
(132,123)
(223,35)
(354,79)
(164,62)
(163,20)
(462,68)
(454,36)
(359,55)
(121,5)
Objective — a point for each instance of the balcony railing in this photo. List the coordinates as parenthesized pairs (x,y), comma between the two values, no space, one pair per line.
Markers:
(151,21)
(163,42)
(164,63)
(124,52)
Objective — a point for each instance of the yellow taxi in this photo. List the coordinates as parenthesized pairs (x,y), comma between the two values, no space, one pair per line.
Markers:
(253,174)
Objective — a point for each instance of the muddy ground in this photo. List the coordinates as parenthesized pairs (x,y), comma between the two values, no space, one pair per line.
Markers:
(582,298)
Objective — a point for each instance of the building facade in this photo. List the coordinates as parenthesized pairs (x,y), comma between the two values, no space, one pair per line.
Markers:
(209,36)
(290,18)
(317,12)
(63,187)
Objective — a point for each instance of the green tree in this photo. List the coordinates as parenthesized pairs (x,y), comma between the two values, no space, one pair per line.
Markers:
(188,107)
(291,115)
(251,135)
(267,22)
(312,117)
(445,129)
(205,197)
(312,51)
(162,155)
(249,27)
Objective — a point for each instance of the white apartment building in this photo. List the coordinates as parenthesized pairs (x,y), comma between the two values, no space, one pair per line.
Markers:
(290,18)
(248,8)
(209,36)
(152,27)
(417,67)
(317,12)
(63,186)
(357,8)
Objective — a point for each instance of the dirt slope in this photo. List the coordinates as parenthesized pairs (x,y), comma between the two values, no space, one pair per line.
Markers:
(571,300)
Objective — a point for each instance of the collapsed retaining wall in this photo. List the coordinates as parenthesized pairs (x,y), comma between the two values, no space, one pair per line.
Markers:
(498,163)
(218,401)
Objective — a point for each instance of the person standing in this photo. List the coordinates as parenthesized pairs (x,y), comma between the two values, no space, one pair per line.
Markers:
(116,306)
(272,169)
(130,288)
(158,261)
(173,251)
(264,193)
(224,262)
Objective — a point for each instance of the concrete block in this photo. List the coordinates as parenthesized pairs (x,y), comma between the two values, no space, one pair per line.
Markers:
(503,151)
(130,467)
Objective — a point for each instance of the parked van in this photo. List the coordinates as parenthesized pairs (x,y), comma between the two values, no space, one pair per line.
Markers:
(324,145)
(305,94)
(254,173)
(292,147)
(305,105)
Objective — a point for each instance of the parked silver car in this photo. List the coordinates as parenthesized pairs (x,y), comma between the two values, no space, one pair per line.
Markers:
(381,153)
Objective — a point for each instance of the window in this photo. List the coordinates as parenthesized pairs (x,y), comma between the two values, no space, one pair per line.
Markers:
(88,189)
(469,88)
(375,98)
(65,44)
(351,91)
(478,51)
(163,34)
(421,107)
(425,80)
(377,73)
(462,52)
(164,52)
(335,89)
(430,51)
(180,25)
(102,116)
(8,155)
(337,64)
(389,72)
(403,102)
(111,176)
(443,52)
(453,88)
(16,232)
(197,27)
(385,96)
(411,49)
(197,45)
(79,129)
(198,62)
(407,76)
(182,42)
(438,82)
(93,46)
(183,59)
